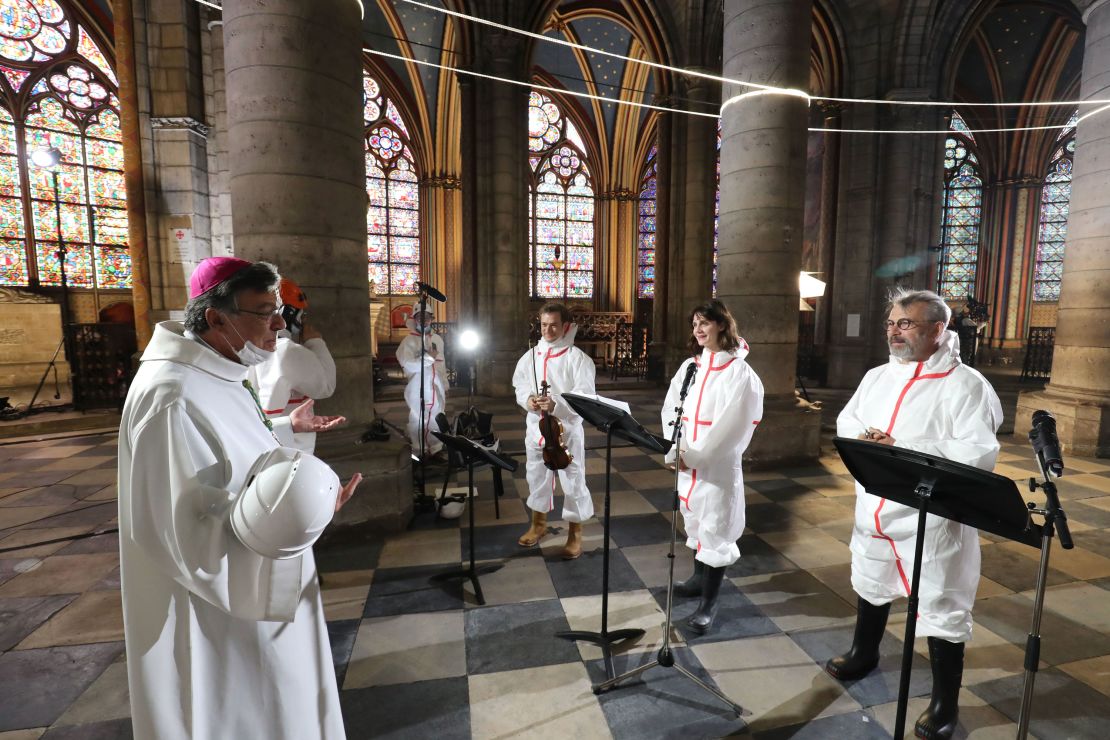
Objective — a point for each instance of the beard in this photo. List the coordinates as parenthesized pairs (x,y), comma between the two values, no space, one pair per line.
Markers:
(903,350)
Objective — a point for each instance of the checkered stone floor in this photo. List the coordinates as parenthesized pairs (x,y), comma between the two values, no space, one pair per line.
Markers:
(418,657)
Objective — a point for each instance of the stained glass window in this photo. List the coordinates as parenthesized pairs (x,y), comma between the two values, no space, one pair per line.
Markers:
(58,91)
(645,246)
(393,186)
(960,215)
(560,205)
(1055,201)
(717,208)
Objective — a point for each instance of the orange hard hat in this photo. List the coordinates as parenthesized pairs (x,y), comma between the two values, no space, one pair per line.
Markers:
(292,295)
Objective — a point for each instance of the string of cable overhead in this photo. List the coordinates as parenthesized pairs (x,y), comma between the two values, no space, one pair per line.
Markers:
(755,88)
(745,83)
(731,101)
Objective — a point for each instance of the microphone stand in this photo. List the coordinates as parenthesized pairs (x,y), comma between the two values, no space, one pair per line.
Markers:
(665,657)
(1054,519)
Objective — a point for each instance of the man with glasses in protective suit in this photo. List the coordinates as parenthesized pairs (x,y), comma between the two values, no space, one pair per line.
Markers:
(922,399)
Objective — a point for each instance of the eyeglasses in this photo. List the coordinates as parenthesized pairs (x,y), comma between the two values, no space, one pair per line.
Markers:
(266,315)
(902,324)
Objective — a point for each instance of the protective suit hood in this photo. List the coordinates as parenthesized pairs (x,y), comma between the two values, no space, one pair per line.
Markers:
(567,340)
(943,360)
(740,353)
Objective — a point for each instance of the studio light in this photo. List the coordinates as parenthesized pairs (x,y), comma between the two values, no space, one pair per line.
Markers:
(809,286)
(469,340)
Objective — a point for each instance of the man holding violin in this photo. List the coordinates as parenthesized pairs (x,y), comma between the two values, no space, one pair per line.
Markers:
(554,439)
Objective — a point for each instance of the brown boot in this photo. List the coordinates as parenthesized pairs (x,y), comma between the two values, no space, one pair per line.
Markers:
(532,537)
(573,548)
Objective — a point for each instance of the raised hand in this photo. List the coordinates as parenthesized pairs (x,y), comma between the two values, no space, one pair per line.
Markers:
(304,419)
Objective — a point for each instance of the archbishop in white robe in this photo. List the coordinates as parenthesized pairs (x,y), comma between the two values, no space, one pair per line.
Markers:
(221,642)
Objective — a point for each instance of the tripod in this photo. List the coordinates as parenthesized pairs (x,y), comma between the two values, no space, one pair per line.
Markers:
(52,365)
(665,658)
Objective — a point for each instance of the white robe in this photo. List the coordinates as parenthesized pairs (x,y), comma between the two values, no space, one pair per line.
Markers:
(723,407)
(566,369)
(943,408)
(221,642)
(296,373)
(435,389)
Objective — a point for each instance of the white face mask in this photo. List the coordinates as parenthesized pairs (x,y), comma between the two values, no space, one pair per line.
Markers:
(250,354)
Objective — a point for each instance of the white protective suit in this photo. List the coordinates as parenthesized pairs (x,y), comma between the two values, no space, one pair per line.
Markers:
(566,369)
(221,642)
(944,408)
(722,409)
(296,373)
(435,388)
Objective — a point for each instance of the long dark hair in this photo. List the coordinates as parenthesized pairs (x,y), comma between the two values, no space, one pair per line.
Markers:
(714,310)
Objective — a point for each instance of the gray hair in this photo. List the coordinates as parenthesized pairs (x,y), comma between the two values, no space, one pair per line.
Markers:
(260,276)
(937,309)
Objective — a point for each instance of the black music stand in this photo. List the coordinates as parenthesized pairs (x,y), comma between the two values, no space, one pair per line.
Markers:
(613,421)
(471,453)
(933,485)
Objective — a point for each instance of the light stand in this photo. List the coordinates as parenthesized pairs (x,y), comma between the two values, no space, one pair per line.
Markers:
(48,159)
(665,657)
(1054,519)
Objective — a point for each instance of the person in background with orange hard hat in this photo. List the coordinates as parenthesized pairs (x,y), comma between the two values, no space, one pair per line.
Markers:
(300,370)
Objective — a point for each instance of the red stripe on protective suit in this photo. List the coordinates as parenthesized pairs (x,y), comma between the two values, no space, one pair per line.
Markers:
(893,418)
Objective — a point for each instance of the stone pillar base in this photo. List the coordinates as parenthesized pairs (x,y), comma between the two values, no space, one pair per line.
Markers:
(383,502)
(790,432)
(1082,420)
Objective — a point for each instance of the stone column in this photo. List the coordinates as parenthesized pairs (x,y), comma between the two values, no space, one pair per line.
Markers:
(297,181)
(763,151)
(689,275)
(495,135)
(1079,391)
(133,168)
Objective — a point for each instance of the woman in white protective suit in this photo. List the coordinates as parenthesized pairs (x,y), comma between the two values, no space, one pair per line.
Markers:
(922,399)
(435,379)
(722,408)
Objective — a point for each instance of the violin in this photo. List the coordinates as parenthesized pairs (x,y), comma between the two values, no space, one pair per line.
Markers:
(555,454)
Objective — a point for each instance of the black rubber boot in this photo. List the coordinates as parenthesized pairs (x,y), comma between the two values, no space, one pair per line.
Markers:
(938,721)
(862,658)
(692,585)
(701,620)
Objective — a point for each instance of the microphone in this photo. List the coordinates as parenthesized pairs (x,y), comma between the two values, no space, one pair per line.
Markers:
(430,292)
(1045,442)
(691,371)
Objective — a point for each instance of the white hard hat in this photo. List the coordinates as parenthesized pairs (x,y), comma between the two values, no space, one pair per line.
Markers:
(288,500)
(452,507)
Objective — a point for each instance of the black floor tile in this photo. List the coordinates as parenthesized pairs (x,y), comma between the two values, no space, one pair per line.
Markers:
(426,709)
(341,634)
(20,616)
(637,463)
(1017,573)
(640,529)
(736,617)
(498,541)
(769,517)
(514,636)
(583,577)
(1063,640)
(116,729)
(881,685)
(1062,707)
(664,703)
(757,558)
(350,555)
(411,590)
(661,498)
(36,686)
